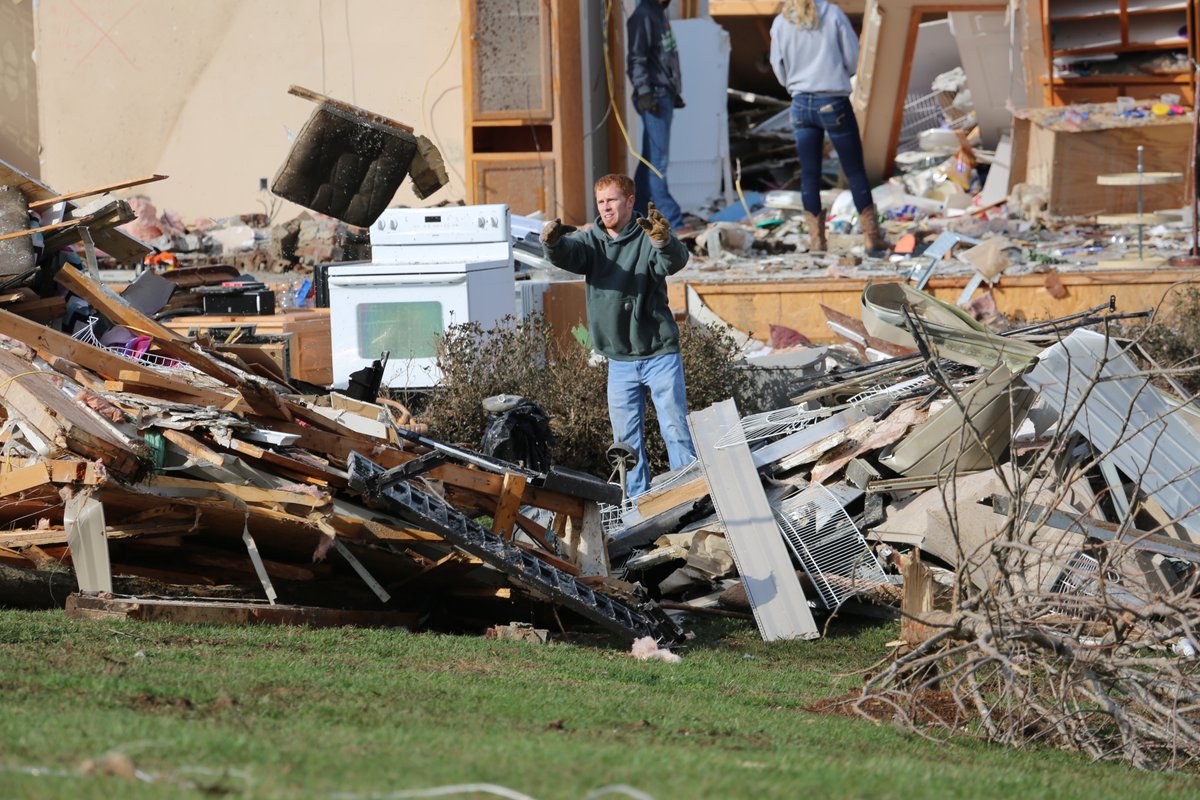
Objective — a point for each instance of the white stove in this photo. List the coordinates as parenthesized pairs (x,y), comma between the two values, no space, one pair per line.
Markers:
(430,268)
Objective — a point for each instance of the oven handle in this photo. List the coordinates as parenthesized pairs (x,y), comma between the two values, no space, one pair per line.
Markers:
(364,281)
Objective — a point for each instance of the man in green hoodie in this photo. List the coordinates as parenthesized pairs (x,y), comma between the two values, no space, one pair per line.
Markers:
(625,259)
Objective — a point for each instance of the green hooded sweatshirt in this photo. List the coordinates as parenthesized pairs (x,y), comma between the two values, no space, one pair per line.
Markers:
(628,315)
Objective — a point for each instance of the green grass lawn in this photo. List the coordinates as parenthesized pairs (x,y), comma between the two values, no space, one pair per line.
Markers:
(283,712)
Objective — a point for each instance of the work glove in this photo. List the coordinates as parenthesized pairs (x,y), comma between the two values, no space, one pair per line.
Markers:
(656,227)
(554,230)
(647,102)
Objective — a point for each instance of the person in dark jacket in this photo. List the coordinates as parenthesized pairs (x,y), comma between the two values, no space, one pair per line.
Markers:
(625,259)
(653,66)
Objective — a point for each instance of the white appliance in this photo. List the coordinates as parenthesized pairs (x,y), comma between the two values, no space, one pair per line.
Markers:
(430,268)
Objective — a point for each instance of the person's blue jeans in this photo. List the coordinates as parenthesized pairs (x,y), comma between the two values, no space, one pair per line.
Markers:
(656,148)
(627,385)
(813,116)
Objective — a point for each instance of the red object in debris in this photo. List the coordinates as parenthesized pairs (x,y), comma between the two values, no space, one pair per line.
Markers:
(783,336)
(905,244)
(160,262)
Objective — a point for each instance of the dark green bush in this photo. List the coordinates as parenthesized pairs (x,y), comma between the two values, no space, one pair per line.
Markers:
(526,359)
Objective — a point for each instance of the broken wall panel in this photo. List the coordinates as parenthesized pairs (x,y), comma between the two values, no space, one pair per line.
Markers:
(1098,390)
(776,596)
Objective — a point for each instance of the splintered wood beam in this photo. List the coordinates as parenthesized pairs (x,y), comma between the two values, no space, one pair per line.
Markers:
(194,448)
(511,488)
(162,484)
(66,425)
(111,187)
(51,471)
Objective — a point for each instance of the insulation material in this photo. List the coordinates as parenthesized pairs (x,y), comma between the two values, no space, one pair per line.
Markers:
(345,166)
(16,255)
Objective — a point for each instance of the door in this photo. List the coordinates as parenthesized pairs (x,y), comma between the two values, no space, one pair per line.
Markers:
(404,315)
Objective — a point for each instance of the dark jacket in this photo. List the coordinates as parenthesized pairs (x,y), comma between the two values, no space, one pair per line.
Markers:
(628,315)
(652,55)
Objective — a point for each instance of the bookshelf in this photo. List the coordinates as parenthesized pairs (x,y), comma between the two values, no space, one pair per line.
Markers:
(1098,50)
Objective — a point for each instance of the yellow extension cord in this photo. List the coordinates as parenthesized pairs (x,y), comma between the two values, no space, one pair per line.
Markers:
(612,101)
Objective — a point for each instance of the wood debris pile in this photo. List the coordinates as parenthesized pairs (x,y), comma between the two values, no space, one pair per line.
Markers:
(176,470)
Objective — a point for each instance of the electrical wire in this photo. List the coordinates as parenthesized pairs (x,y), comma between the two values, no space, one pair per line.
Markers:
(428,80)
(427,113)
(350,47)
(321,25)
(612,101)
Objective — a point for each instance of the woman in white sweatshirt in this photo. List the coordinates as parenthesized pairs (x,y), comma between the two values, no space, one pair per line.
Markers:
(814,51)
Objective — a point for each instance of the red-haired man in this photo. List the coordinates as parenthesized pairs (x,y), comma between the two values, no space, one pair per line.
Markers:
(625,259)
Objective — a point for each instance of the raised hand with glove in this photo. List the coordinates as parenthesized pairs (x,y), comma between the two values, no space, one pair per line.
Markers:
(656,227)
(554,230)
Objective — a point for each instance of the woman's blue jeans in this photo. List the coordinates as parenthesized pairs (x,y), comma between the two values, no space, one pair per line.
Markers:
(813,116)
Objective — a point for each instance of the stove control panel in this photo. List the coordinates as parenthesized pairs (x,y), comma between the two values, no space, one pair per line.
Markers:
(443,225)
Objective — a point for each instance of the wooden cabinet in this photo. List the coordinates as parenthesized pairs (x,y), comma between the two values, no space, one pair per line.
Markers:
(1098,50)
(524,89)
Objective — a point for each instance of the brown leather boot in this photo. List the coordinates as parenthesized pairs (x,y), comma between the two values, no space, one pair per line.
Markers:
(873,239)
(815,224)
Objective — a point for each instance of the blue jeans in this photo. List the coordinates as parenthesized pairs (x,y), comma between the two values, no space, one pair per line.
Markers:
(627,384)
(656,148)
(813,116)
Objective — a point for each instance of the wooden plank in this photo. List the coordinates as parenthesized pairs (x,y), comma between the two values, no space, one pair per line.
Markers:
(776,596)
(111,187)
(119,312)
(194,448)
(118,244)
(68,223)
(317,97)
(64,424)
(239,562)
(219,612)
(41,310)
(510,502)
(48,471)
(52,344)
(247,494)
(140,379)
(653,503)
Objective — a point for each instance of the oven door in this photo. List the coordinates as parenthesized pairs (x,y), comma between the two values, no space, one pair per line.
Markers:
(404,314)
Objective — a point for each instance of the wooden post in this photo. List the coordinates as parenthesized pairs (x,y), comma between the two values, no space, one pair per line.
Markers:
(584,539)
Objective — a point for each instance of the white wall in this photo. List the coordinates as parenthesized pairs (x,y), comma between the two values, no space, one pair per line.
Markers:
(198,90)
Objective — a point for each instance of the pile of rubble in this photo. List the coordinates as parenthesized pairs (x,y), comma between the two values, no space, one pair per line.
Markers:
(178,467)
(1026,502)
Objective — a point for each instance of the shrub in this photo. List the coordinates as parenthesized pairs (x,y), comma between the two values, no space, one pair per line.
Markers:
(525,359)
